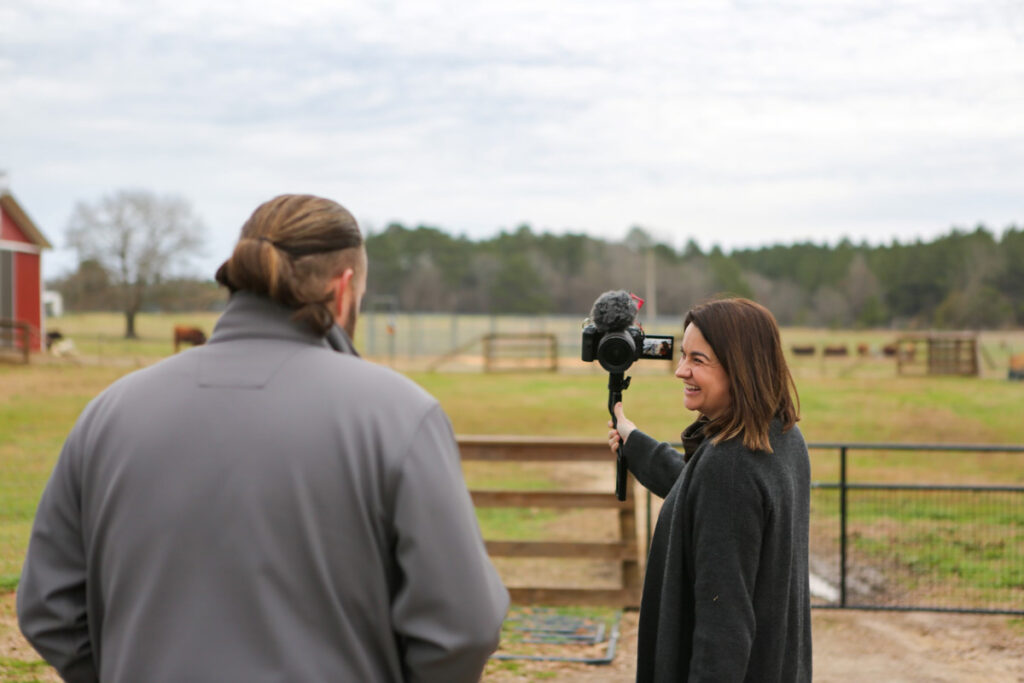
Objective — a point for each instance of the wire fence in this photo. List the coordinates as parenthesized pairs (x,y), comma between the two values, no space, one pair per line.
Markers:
(880,541)
(452,342)
(419,338)
(898,545)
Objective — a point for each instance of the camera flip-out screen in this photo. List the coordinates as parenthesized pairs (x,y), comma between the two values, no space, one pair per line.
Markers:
(658,347)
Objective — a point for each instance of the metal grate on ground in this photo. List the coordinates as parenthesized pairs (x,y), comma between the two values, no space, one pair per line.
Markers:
(552,635)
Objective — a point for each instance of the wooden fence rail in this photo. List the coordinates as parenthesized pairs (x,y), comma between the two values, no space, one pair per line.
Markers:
(624,551)
(8,330)
(519,351)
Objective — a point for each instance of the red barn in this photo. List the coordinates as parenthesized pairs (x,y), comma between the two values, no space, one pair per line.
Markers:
(21,273)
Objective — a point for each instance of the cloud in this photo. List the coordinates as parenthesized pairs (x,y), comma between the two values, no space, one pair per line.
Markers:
(737,123)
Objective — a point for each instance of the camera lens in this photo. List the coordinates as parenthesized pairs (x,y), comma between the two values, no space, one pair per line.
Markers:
(616,352)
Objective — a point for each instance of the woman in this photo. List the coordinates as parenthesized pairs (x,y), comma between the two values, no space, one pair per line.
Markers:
(726,593)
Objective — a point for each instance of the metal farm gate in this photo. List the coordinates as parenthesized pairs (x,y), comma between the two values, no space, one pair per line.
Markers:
(901,544)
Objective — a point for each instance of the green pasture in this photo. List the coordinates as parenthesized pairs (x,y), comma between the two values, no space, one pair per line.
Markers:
(415,341)
(39,402)
(854,399)
(943,556)
(931,544)
(99,337)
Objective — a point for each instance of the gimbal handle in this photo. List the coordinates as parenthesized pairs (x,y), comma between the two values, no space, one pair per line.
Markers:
(616,385)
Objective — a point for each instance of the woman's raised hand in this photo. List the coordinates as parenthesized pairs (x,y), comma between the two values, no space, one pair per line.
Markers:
(618,435)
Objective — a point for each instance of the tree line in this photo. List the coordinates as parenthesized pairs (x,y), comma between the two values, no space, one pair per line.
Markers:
(964,279)
(128,243)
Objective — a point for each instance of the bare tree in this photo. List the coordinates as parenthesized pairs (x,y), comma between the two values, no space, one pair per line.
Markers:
(861,287)
(831,308)
(423,288)
(784,298)
(137,237)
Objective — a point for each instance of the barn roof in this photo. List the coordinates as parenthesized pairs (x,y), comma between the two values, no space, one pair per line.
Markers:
(13,209)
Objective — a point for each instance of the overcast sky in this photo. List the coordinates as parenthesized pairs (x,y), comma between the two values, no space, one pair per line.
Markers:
(733,123)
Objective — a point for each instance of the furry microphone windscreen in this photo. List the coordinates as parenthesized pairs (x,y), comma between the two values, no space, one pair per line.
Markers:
(614,310)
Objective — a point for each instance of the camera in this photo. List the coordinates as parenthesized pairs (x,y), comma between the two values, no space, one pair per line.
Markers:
(616,350)
(612,337)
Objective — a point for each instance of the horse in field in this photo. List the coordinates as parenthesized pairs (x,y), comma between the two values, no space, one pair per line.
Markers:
(184,334)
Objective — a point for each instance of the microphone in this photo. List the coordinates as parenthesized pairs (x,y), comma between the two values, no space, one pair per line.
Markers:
(613,311)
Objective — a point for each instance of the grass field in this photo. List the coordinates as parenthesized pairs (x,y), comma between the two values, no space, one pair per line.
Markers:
(845,400)
(414,341)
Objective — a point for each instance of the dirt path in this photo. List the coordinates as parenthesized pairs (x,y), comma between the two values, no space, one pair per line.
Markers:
(852,646)
(848,646)
(918,647)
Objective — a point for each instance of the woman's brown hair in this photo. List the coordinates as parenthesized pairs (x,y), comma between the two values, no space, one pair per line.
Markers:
(289,250)
(745,338)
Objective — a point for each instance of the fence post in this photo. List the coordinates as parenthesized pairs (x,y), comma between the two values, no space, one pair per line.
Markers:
(632,581)
(392,332)
(842,526)
(26,339)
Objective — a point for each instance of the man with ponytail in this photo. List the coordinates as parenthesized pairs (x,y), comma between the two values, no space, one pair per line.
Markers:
(269,506)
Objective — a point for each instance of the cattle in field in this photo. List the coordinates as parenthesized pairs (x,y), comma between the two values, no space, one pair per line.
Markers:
(188,335)
(863,350)
(803,350)
(890,350)
(907,353)
(838,350)
(1016,366)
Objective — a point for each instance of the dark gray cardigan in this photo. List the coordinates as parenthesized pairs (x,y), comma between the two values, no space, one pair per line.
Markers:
(726,593)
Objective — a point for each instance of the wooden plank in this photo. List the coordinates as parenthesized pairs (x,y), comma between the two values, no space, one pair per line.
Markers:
(547,499)
(531,449)
(584,597)
(519,336)
(616,550)
(515,439)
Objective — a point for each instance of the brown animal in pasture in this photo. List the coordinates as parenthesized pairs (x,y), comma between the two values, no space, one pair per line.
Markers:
(905,353)
(803,350)
(1017,366)
(188,335)
(839,350)
(863,350)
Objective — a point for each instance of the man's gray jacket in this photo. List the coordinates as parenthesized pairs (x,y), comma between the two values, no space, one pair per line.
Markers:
(262,508)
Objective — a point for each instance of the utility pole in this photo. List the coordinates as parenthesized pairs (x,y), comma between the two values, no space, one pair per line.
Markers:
(651,286)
